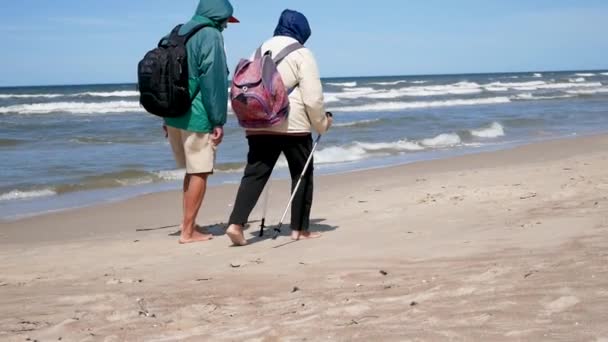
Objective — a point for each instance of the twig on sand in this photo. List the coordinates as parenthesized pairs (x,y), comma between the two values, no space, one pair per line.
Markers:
(357,322)
(285,244)
(159,228)
(530,195)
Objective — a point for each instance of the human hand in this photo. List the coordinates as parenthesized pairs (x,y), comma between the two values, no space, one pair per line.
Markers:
(330,119)
(165,130)
(217,135)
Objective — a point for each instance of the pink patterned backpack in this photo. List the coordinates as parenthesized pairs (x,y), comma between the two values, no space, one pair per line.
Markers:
(258,95)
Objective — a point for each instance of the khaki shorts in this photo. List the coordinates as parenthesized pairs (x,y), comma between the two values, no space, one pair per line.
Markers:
(193,151)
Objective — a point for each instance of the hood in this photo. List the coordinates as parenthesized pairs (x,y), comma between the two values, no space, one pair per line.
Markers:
(210,12)
(217,11)
(293,24)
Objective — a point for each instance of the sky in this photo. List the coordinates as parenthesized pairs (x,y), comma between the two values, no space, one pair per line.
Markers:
(101,41)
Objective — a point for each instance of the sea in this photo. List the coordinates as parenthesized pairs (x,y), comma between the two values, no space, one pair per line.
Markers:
(63,147)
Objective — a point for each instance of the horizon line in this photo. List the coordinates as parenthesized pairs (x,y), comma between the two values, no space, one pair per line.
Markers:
(328,78)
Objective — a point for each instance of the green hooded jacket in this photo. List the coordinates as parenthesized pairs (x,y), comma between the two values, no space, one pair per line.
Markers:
(207,69)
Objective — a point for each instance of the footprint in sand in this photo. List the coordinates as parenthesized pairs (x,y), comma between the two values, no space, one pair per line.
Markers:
(561,304)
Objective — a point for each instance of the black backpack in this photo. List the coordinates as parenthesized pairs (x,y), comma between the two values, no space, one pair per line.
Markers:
(163,76)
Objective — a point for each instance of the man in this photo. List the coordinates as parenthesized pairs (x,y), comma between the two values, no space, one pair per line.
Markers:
(293,137)
(194,137)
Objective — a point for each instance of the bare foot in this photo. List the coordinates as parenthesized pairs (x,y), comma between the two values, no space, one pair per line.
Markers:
(304,235)
(196,237)
(235,233)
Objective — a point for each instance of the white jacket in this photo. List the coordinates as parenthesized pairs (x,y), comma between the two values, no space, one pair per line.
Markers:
(306,108)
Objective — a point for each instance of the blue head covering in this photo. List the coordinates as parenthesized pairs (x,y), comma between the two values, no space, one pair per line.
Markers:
(293,24)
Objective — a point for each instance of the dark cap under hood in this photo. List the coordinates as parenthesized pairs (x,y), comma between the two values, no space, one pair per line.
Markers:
(293,24)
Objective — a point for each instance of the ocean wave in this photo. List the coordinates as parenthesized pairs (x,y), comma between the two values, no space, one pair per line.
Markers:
(460,88)
(538,85)
(120,93)
(537,75)
(330,97)
(420,82)
(578,79)
(29,96)
(396,106)
(530,96)
(74,107)
(583,74)
(495,130)
(389,83)
(20,195)
(604,73)
(345,84)
(588,91)
(442,140)
(360,123)
(361,150)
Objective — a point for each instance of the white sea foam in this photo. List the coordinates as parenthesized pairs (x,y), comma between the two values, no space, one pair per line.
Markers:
(578,79)
(538,85)
(330,97)
(120,93)
(401,146)
(604,73)
(355,123)
(588,91)
(494,131)
(442,140)
(396,106)
(420,82)
(537,75)
(74,107)
(171,175)
(583,74)
(530,96)
(460,88)
(29,96)
(361,150)
(389,83)
(345,84)
(19,195)
(338,154)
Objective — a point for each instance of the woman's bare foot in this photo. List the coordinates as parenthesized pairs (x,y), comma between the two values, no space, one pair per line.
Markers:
(304,235)
(235,233)
(195,237)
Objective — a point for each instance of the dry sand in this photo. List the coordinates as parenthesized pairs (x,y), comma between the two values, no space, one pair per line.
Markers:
(500,246)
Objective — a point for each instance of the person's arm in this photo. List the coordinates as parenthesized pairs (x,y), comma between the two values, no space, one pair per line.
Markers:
(213,76)
(311,89)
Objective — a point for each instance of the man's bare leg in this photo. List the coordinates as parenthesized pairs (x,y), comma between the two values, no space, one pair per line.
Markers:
(235,233)
(195,186)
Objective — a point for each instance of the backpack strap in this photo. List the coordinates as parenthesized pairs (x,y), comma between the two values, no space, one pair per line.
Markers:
(286,51)
(175,38)
(194,30)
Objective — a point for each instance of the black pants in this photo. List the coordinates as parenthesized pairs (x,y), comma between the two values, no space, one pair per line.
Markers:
(264,151)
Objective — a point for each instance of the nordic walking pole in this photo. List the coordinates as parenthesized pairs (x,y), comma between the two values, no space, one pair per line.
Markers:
(263,224)
(277,230)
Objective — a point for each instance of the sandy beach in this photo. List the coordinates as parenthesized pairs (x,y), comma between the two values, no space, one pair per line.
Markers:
(500,246)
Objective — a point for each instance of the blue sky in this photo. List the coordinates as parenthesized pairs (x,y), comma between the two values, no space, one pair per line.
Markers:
(101,41)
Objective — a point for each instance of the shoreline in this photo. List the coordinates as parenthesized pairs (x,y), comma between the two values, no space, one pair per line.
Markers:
(28,208)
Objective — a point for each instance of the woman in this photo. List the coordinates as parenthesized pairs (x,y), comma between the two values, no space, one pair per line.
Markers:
(293,137)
